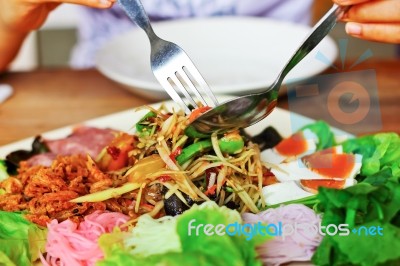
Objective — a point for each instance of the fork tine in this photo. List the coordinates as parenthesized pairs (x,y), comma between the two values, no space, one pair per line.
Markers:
(174,78)
(189,83)
(173,94)
(198,78)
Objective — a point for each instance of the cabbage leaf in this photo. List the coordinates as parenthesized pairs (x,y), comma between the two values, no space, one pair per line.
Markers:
(20,240)
(142,246)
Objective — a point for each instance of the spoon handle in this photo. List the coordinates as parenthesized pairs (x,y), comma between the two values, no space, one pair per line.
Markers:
(318,32)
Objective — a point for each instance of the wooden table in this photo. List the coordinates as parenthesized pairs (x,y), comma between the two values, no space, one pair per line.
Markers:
(49,99)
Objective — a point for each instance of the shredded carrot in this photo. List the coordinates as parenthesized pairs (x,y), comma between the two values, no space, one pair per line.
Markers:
(197,112)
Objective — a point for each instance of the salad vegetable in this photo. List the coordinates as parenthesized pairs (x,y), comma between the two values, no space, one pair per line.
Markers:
(323,132)
(3,170)
(361,206)
(380,151)
(372,203)
(167,241)
(230,143)
(21,241)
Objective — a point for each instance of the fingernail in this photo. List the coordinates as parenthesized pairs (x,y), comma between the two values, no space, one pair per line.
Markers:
(343,2)
(353,28)
(105,2)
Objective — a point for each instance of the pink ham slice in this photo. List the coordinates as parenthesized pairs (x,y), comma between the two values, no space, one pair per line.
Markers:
(44,159)
(83,140)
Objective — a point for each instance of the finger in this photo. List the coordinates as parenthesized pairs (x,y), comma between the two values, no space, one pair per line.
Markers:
(90,3)
(389,33)
(374,11)
(349,2)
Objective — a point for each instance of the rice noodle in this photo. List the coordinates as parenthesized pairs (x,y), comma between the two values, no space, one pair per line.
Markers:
(299,246)
(69,243)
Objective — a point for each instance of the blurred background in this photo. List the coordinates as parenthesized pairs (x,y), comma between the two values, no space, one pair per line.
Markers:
(52,44)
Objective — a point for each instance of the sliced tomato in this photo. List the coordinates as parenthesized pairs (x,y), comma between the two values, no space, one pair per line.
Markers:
(116,155)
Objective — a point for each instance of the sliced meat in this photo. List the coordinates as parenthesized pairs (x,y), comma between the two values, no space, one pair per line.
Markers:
(44,159)
(83,140)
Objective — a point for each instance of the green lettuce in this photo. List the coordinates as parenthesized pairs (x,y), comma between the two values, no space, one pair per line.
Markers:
(144,239)
(20,240)
(323,131)
(374,201)
(180,248)
(379,151)
(3,170)
(361,205)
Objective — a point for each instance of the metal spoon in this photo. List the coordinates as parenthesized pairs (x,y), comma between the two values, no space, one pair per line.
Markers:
(247,110)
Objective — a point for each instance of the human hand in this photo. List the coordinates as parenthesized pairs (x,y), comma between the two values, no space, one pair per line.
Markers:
(375,20)
(26,15)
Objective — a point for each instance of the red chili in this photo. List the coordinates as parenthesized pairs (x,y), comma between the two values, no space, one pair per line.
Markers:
(114,152)
(211,191)
(165,178)
(175,153)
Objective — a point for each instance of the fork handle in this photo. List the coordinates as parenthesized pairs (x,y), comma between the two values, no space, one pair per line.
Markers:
(318,32)
(135,10)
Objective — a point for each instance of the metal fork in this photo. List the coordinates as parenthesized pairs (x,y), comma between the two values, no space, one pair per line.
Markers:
(171,65)
(249,109)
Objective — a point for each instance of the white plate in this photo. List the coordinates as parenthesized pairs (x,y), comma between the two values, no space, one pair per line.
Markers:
(283,121)
(236,55)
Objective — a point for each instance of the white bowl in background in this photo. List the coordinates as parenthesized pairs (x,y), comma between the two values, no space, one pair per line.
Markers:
(236,55)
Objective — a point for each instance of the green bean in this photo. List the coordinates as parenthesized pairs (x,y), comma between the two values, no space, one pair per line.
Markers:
(230,143)
(193,150)
(190,131)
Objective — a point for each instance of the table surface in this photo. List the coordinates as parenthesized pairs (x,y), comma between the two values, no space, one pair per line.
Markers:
(52,98)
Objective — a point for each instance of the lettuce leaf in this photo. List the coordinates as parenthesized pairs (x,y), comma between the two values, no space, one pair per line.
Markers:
(361,205)
(20,240)
(121,257)
(227,250)
(144,239)
(5,260)
(3,170)
(378,150)
(142,246)
(323,132)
